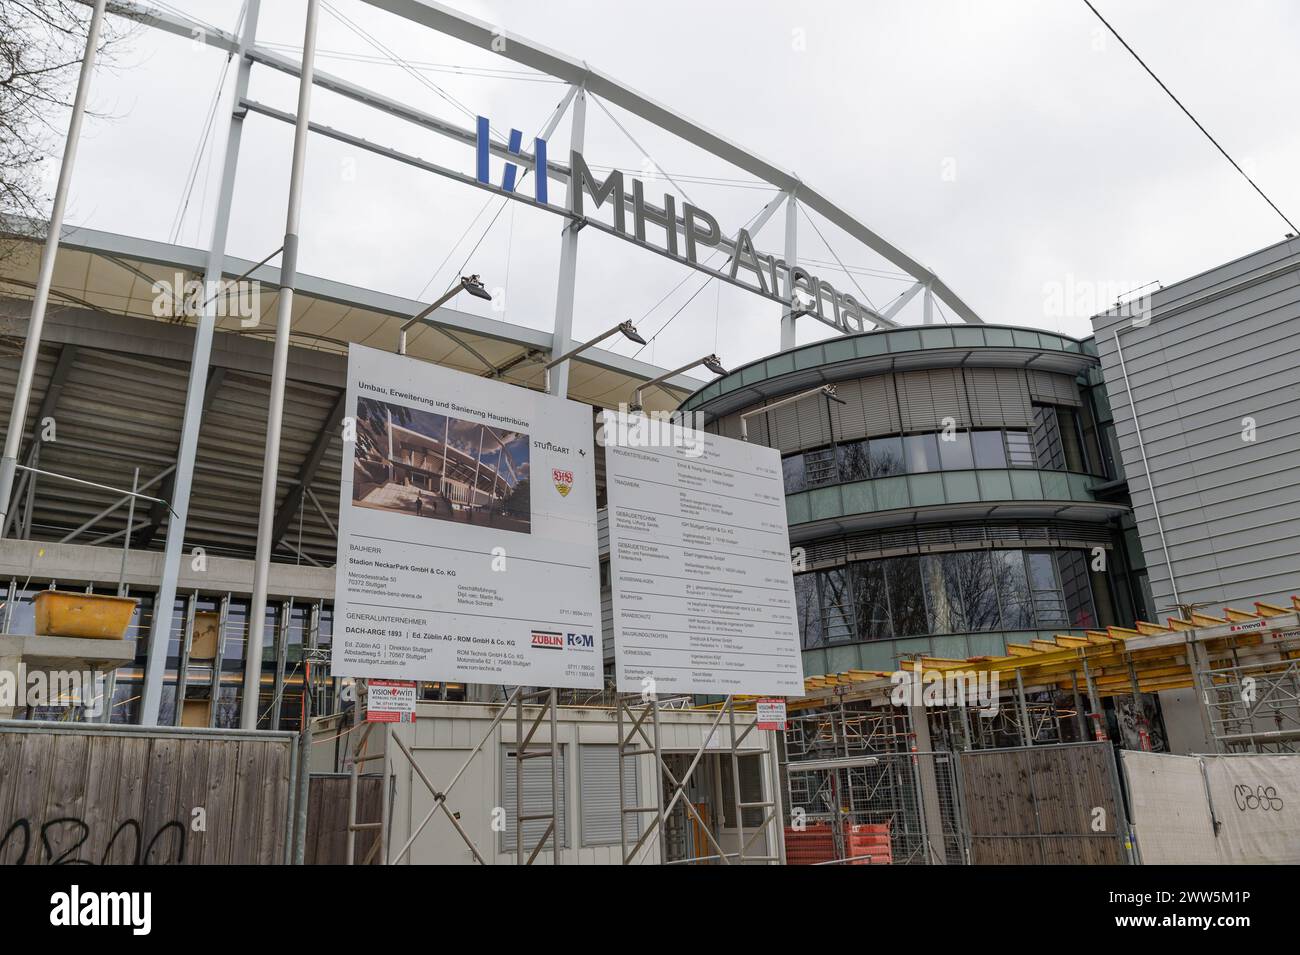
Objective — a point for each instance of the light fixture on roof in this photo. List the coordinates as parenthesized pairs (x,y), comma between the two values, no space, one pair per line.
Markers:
(468,283)
(626,329)
(710,362)
(474,285)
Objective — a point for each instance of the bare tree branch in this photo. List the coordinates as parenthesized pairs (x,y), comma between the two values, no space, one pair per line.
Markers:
(41,47)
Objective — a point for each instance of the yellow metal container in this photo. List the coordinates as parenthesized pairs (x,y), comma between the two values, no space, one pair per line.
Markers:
(96,616)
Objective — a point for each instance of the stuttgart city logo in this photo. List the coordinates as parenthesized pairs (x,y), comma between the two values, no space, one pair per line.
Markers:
(563,481)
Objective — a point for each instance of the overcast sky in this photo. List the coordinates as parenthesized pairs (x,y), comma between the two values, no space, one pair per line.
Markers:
(1013,147)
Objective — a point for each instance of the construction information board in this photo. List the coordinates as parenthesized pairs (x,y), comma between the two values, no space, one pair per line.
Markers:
(453,564)
(703,592)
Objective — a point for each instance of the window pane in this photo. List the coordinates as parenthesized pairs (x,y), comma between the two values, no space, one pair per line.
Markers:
(971,572)
(808,610)
(854,461)
(1073,567)
(837,606)
(792,471)
(906,600)
(1068,420)
(1049,601)
(868,580)
(886,456)
(943,601)
(959,592)
(751,791)
(819,467)
(922,453)
(955,452)
(1020,453)
(988,449)
(1048,450)
(1013,590)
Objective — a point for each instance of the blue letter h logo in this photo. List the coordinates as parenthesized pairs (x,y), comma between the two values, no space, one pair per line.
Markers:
(508,178)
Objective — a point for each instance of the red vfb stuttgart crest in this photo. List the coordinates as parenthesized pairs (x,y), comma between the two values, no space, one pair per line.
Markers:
(563,481)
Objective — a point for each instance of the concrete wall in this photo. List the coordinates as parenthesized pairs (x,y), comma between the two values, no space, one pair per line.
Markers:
(81,564)
(1184,722)
(1218,348)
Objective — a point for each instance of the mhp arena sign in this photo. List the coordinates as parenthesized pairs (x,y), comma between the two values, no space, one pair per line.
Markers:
(762,273)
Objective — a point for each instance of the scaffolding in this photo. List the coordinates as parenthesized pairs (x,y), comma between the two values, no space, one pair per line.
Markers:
(1254,707)
(686,835)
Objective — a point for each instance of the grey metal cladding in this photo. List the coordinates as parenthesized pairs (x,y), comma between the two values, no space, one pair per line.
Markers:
(1221,350)
(908,401)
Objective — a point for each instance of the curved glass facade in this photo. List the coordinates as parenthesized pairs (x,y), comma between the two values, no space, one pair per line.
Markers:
(932,433)
(950,593)
(1054,444)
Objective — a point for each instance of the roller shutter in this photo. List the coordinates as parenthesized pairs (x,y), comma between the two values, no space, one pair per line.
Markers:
(598,795)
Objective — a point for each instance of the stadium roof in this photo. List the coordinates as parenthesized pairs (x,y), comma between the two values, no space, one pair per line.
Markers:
(113,377)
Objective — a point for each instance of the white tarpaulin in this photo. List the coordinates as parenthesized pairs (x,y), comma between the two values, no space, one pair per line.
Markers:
(1215,809)
(703,591)
(467,531)
(1169,811)
(1256,801)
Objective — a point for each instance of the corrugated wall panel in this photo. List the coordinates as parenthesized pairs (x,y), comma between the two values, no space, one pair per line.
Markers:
(1221,352)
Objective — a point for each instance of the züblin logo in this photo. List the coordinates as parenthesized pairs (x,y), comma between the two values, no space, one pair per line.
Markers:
(482,145)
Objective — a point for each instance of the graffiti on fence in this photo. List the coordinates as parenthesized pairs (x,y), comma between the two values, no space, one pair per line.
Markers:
(61,841)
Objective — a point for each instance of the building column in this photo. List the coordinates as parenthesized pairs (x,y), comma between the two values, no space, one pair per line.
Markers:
(562,334)
(160,629)
(791,255)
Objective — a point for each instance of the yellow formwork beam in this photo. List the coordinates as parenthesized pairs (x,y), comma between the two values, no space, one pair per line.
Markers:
(1111,662)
